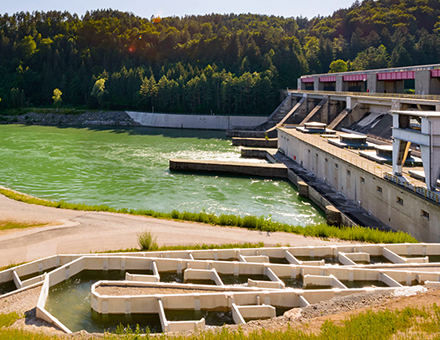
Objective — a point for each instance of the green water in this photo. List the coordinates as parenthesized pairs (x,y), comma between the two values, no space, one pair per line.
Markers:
(75,293)
(7,287)
(242,279)
(212,318)
(363,284)
(171,277)
(128,168)
(30,276)
(379,259)
(327,259)
(278,260)
(295,282)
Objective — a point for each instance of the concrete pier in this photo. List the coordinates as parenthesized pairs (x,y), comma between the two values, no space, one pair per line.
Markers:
(250,169)
(255,142)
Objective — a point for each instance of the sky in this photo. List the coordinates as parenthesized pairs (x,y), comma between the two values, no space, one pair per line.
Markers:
(164,8)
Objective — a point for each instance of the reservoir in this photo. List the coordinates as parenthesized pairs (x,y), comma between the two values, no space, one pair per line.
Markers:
(128,168)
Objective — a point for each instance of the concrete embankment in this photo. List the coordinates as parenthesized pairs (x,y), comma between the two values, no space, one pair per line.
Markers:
(188,121)
(250,169)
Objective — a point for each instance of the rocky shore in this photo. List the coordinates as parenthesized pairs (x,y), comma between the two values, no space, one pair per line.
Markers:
(108,118)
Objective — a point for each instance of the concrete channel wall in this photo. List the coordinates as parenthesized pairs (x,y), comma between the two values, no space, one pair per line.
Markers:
(203,122)
(257,294)
(391,204)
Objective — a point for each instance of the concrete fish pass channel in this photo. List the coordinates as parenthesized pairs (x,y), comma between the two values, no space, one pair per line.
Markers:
(176,291)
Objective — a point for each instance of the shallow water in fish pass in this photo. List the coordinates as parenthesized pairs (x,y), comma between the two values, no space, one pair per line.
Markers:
(128,168)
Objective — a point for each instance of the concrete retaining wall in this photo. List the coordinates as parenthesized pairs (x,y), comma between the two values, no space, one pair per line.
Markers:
(225,297)
(393,205)
(204,122)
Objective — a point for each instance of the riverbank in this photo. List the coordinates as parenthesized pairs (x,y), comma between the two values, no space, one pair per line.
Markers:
(73,231)
(89,118)
(131,118)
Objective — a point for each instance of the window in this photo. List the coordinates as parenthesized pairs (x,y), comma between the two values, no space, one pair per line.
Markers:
(308,151)
(326,160)
(399,200)
(336,166)
(379,190)
(362,180)
(348,173)
(316,155)
(425,214)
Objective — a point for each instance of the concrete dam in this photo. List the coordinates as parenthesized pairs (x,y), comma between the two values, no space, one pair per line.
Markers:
(375,146)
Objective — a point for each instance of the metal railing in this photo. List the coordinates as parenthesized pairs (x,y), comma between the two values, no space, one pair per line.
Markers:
(433,196)
(371,94)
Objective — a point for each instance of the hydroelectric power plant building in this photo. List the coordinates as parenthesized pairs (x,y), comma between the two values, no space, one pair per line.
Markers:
(376,152)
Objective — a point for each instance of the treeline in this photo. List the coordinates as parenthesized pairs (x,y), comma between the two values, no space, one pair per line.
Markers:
(212,63)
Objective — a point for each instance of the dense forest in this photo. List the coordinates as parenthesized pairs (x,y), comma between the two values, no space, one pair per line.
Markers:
(213,63)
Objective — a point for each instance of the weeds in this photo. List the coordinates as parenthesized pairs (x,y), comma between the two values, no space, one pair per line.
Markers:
(147,241)
(8,319)
(5,225)
(201,246)
(364,326)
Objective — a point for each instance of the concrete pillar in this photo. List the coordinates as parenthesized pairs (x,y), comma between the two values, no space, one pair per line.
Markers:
(395,104)
(334,108)
(303,189)
(400,86)
(324,112)
(316,84)
(423,82)
(339,84)
(299,83)
(350,103)
(400,153)
(333,215)
(372,83)
(380,86)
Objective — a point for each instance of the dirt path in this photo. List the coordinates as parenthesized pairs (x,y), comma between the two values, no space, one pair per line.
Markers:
(83,232)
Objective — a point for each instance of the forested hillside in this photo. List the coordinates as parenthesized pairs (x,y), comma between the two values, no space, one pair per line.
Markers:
(219,63)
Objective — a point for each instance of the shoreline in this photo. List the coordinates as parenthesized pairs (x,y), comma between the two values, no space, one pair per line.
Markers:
(77,231)
(251,223)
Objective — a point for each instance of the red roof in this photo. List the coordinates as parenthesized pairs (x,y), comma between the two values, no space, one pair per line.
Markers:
(355,77)
(435,73)
(308,80)
(396,75)
(327,79)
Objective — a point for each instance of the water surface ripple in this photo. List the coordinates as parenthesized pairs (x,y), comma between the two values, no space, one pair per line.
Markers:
(128,168)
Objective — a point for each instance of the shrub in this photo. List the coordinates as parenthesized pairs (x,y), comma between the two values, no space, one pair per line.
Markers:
(147,241)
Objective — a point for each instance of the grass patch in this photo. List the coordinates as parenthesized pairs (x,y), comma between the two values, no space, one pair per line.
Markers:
(8,319)
(369,325)
(147,241)
(201,246)
(250,222)
(11,265)
(5,225)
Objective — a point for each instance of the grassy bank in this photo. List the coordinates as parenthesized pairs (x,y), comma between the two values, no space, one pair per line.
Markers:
(250,222)
(408,323)
(5,225)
